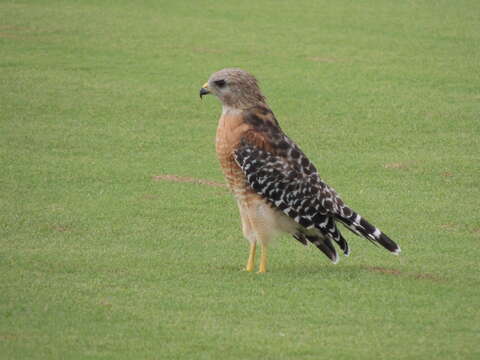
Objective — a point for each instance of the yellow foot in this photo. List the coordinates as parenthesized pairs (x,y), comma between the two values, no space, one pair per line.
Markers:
(249,268)
(251,257)
(263,260)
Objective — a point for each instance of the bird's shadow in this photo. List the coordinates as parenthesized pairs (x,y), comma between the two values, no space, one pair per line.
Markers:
(353,272)
(348,272)
(328,271)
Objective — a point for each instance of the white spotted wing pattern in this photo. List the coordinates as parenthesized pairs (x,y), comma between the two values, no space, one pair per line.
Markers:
(277,170)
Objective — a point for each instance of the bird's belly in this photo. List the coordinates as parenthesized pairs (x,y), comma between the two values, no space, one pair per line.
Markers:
(267,221)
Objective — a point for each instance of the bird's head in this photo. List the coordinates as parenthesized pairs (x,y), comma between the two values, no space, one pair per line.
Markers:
(235,88)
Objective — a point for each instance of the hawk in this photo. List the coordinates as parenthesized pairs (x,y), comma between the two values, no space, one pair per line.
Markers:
(277,188)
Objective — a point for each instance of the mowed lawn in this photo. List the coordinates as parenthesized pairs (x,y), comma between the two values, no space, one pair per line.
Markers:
(103,256)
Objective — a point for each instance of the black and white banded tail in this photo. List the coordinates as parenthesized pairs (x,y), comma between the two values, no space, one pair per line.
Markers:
(361,226)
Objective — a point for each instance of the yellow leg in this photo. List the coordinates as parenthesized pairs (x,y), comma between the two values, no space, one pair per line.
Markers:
(263,260)
(251,257)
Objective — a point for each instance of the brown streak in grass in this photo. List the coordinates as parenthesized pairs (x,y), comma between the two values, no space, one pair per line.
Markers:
(395,165)
(188,179)
(13,28)
(426,276)
(383,270)
(322,59)
(148,197)
(449,226)
(10,36)
(60,228)
(14,32)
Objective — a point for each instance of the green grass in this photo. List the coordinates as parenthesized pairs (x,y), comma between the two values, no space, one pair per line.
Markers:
(100,261)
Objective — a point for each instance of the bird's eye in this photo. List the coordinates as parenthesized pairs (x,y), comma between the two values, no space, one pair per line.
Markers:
(220,83)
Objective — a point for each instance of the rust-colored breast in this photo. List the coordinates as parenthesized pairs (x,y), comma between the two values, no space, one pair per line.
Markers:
(229,133)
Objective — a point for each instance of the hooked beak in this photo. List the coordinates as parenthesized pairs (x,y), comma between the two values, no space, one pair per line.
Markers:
(204,90)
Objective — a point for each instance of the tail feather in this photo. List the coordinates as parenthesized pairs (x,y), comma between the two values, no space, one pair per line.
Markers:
(361,226)
(327,226)
(326,246)
(301,238)
(340,240)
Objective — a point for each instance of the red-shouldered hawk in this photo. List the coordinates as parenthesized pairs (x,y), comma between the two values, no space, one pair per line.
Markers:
(276,187)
